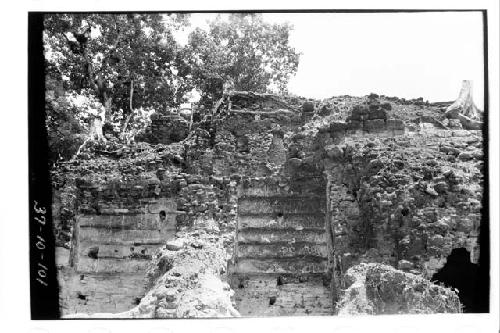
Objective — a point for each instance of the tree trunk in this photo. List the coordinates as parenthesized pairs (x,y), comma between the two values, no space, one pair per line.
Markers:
(95,133)
(464,104)
(96,129)
(131,110)
(107,107)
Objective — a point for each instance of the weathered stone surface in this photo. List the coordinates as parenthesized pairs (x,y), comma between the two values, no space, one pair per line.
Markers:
(118,246)
(354,125)
(373,125)
(282,295)
(281,250)
(395,124)
(392,191)
(112,265)
(308,107)
(279,205)
(293,221)
(381,289)
(377,113)
(334,151)
(338,127)
(98,292)
(292,265)
(174,245)
(263,236)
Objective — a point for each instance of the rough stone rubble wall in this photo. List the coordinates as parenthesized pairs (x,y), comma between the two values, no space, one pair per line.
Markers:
(404,200)
(392,196)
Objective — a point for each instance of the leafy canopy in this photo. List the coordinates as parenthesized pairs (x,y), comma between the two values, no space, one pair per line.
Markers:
(114,54)
(244,53)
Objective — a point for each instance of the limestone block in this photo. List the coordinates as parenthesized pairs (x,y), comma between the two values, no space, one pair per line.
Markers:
(354,125)
(377,114)
(374,125)
(175,245)
(262,236)
(395,124)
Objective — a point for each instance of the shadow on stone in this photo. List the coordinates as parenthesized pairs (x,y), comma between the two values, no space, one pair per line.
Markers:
(461,274)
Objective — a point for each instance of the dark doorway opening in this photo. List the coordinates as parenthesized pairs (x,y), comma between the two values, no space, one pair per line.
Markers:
(460,273)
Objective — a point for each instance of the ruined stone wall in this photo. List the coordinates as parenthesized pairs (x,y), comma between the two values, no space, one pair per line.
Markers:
(304,202)
(118,228)
(404,200)
(244,144)
(280,259)
(166,129)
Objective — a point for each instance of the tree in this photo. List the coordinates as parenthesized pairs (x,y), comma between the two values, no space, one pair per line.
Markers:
(464,104)
(126,61)
(464,109)
(244,53)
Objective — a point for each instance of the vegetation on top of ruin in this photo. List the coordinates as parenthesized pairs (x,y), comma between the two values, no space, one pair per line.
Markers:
(120,68)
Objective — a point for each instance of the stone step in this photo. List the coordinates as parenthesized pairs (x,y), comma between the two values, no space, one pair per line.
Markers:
(111,265)
(310,297)
(268,236)
(127,222)
(281,250)
(117,251)
(283,265)
(110,236)
(274,279)
(101,292)
(309,186)
(285,221)
(267,295)
(280,205)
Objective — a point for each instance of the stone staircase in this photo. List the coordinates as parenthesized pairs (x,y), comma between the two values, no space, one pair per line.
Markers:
(281,254)
(106,271)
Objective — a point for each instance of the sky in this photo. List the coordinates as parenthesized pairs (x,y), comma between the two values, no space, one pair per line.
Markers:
(407,55)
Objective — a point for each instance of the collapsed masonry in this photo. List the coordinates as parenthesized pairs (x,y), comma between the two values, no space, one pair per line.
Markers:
(299,198)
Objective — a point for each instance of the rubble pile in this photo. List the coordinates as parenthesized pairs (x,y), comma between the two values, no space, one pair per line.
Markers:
(187,279)
(381,289)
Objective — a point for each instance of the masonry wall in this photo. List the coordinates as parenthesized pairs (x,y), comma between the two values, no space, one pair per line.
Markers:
(404,200)
(117,231)
(280,260)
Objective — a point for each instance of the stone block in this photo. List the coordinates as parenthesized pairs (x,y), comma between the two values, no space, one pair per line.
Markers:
(117,251)
(175,245)
(377,114)
(269,266)
(294,221)
(280,205)
(338,127)
(112,265)
(109,236)
(308,107)
(334,151)
(375,125)
(100,292)
(262,236)
(395,124)
(405,265)
(358,113)
(281,250)
(354,125)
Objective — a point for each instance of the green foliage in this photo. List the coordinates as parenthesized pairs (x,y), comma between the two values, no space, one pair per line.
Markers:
(244,53)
